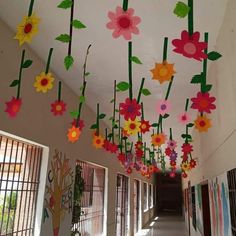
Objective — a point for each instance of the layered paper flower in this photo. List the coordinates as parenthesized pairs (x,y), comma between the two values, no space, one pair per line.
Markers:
(158,139)
(192,164)
(184,118)
(58,108)
(73,134)
(144,126)
(130,109)
(163,72)
(189,46)
(163,107)
(80,123)
(187,148)
(98,141)
(203,102)
(202,123)
(139,153)
(185,166)
(138,145)
(121,157)
(123,23)
(13,107)
(44,82)
(132,127)
(171,144)
(27,29)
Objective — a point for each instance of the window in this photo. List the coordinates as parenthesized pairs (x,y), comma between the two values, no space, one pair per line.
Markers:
(20,164)
(151,195)
(91,221)
(194,221)
(145,196)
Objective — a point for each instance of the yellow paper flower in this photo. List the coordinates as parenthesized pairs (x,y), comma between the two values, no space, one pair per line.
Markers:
(73,134)
(44,82)
(202,123)
(98,141)
(132,127)
(163,71)
(185,166)
(158,139)
(27,29)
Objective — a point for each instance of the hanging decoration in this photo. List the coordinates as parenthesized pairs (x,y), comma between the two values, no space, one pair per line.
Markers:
(28,28)
(67,38)
(14,106)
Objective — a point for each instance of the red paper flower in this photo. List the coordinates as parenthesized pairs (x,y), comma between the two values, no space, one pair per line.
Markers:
(172,163)
(129,171)
(187,148)
(80,123)
(184,175)
(185,157)
(113,148)
(168,151)
(172,174)
(106,145)
(121,157)
(203,102)
(130,109)
(13,106)
(138,145)
(145,126)
(58,108)
(189,46)
(139,153)
(192,163)
(124,23)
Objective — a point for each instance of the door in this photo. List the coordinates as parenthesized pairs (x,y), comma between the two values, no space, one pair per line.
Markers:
(136,205)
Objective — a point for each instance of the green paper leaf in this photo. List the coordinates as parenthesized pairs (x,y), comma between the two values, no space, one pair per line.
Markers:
(102,116)
(65,4)
(166,116)
(155,125)
(111,118)
(112,100)
(186,136)
(94,126)
(145,92)
(116,110)
(82,99)
(78,24)
(207,88)
(65,38)
(115,126)
(87,74)
(197,79)
(68,62)
(27,64)
(190,125)
(122,86)
(74,114)
(181,9)
(14,83)
(213,56)
(136,60)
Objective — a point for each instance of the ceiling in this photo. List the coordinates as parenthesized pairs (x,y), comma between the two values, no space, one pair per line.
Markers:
(108,57)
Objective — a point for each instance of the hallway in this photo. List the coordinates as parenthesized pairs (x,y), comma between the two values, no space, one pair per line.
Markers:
(165,225)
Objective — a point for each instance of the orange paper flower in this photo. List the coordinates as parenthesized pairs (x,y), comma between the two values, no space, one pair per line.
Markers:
(98,141)
(158,139)
(73,134)
(202,123)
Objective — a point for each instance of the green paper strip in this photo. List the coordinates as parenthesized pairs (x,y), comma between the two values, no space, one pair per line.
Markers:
(140,90)
(165,49)
(125,5)
(126,151)
(119,134)
(85,62)
(81,104)
(59,91)
(71,27)
(114,111)
(131,148)
(130,70)
(190,18)
(106,133)
(169,87)
(203,81)
(186,104)
(142,110)
(20,74)
(97,118)
(49,60)
(31,6)
(170,133)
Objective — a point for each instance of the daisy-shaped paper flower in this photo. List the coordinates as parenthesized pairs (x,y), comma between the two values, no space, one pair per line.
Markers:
(27,29)
(123,23)
(145,126)
(137,166)
(139,153)
(132,126)
(138,145)
(203,102)
(192,164)
(73,134)
(202,123)
(144,168)
(158,139)
(13,106)
(168,151)
(44,82)
(129,170)
(189,46)
(184,118)
(58,108)
(163,72)
(185,166)
(98,141)
(187,148)
(113,148)
(173,163)
(130,109)
(80,123)
(106,145)
(172,174)
(163,107)
(184,175)
(121,157)
(151,169)
(173,155)
(171,144)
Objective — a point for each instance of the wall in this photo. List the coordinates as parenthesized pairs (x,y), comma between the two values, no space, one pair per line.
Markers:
(215,149)
(35,122)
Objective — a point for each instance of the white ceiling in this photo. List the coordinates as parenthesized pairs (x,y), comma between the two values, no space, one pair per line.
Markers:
(108,57)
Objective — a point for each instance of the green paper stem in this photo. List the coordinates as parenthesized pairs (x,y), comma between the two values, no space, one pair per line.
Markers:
(49,60)
(119,130)
(142,110)
(131,148)
(106,133)
(186,104)
(169,87)
(59,91)
(203,82)
(130,70)
(126,147)
(81,104)
(97,118)
(71,27)
(186,140)
(85,62)
(190,18)
(125,5)
(170,133)
(161,125)
(140,90)
(20,74)
(165,49)
(114,111)
(145,145)
(31,6)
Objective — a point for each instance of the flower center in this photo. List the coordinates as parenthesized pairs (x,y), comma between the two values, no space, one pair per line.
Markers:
(58,107)
(124,22)
(15,108)
(132,126)
(203,103)
(163,71)
(163,107)
(130,109)
(190,48)
(73,134)
(144,126)
(184,117)
(44,82)
(98,141)
(28,27)
(158,140)
(202,123)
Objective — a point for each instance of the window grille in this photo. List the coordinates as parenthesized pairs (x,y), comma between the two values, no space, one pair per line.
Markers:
(151,195)
(20,164)
(145,196)
(193,197)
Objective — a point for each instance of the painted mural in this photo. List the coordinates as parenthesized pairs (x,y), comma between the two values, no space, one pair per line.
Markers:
(219,206)
(199,215)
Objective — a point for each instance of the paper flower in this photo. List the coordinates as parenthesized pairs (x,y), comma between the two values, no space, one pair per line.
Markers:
(171,144)
(145,126)
(98,141)
(192,164)
(185,166)
(187,148)
(73,134)
(123,23)
(163,107)
(44,82)
(139,153)
(13,107)
(138,145)
(130,109)
(172,174)
(203,102)
(121,157)
(158,139)
(168,151)
(163,72)
(202,123)
(132,127)
(113,148)
(144,168)
(184,118)
(189,46)
(80,123)
(184,175)
(173,163)
(58,108)
(27,29)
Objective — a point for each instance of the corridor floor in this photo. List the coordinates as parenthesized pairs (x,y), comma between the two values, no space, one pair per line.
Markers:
(165,225)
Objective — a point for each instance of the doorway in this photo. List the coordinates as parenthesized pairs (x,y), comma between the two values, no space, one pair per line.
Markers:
(137,207)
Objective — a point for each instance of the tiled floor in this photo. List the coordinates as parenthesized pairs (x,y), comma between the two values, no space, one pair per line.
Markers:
(166,225)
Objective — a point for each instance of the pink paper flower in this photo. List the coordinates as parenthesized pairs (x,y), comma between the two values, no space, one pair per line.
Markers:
(124,23)
(189,46)
(13,107)
(163,107)
(171,144)
(184,118)
(58,108)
